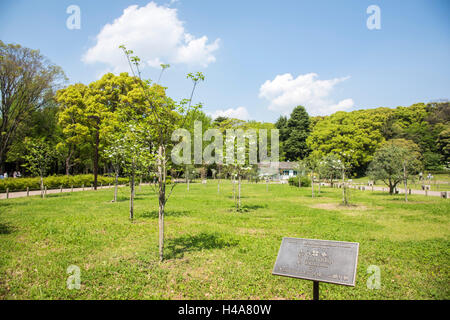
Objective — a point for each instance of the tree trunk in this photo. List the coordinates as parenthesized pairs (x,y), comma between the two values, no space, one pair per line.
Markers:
(312,184)
(405,182)
(319,183)
(391,187)
(162,198)
(239,195)
(97,143)
(132,193)
(234,187)
(42,187)
(187,178)
(344,189)
(67,166)
(116,185)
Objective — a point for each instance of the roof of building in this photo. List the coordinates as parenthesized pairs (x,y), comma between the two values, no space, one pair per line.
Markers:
(284,165)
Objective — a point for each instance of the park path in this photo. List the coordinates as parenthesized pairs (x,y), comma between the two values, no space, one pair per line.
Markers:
(400,190)
(21,194)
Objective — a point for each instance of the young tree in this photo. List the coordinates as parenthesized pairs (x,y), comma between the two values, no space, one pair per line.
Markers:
(238,171)
(163,117)
(313,165)
(301,168)
(115,154)
(39,155)
(394,162)
(138,155)
(332,167)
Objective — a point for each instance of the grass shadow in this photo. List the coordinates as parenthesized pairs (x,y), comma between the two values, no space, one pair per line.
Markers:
(120,199)
(168,213)
(177,247)
(249,207)
(5,229)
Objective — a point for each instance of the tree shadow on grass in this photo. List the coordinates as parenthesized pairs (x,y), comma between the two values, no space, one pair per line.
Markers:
(176,248)
(249,207)
(5,229)
(167,213)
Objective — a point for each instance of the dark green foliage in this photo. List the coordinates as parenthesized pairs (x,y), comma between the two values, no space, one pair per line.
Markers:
(54,182)
(305,181)
(298,127)
(282,126)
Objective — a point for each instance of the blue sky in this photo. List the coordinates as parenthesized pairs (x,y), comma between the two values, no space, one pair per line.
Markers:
(260,58)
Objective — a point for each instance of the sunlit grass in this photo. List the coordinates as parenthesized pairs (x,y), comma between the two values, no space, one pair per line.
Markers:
(214,252)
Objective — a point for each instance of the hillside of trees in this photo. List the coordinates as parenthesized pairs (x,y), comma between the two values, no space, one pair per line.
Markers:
(358,134)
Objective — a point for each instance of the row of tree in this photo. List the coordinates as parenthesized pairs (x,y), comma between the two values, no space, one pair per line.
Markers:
(355,136)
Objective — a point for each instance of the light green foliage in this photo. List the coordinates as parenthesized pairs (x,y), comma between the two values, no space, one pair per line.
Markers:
(331,167)
(391,160)
(38,157)
(304,181)
(353,136)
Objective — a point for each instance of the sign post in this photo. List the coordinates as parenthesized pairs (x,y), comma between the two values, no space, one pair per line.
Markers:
(318,260)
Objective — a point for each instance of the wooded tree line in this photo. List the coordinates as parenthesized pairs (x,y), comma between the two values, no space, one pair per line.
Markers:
(356,136)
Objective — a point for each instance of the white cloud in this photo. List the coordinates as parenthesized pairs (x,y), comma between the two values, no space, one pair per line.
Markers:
(154,33)
(285,93)
(238,113)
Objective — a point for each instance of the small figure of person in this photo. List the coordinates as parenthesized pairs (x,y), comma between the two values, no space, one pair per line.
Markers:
(15,174)
(19,174)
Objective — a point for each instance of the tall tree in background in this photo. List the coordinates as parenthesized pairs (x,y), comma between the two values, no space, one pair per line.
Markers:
(27,82)
(298,127)
(72,120)
(443,145)
(282,126)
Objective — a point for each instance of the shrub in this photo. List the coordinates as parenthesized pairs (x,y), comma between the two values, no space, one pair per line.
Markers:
(54,182)
(305,182)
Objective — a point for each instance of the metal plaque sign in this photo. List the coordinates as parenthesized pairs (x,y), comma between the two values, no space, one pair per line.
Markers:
(318,260)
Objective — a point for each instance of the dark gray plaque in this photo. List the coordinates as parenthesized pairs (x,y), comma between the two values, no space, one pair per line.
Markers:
(318,260)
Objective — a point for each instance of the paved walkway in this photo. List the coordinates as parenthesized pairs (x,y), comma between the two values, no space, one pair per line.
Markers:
(400,191)
(53,191)
(21,194)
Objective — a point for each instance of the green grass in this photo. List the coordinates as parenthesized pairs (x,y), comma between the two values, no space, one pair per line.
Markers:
(214,252)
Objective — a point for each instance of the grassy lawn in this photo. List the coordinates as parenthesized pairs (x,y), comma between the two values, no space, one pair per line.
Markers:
(214,252)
